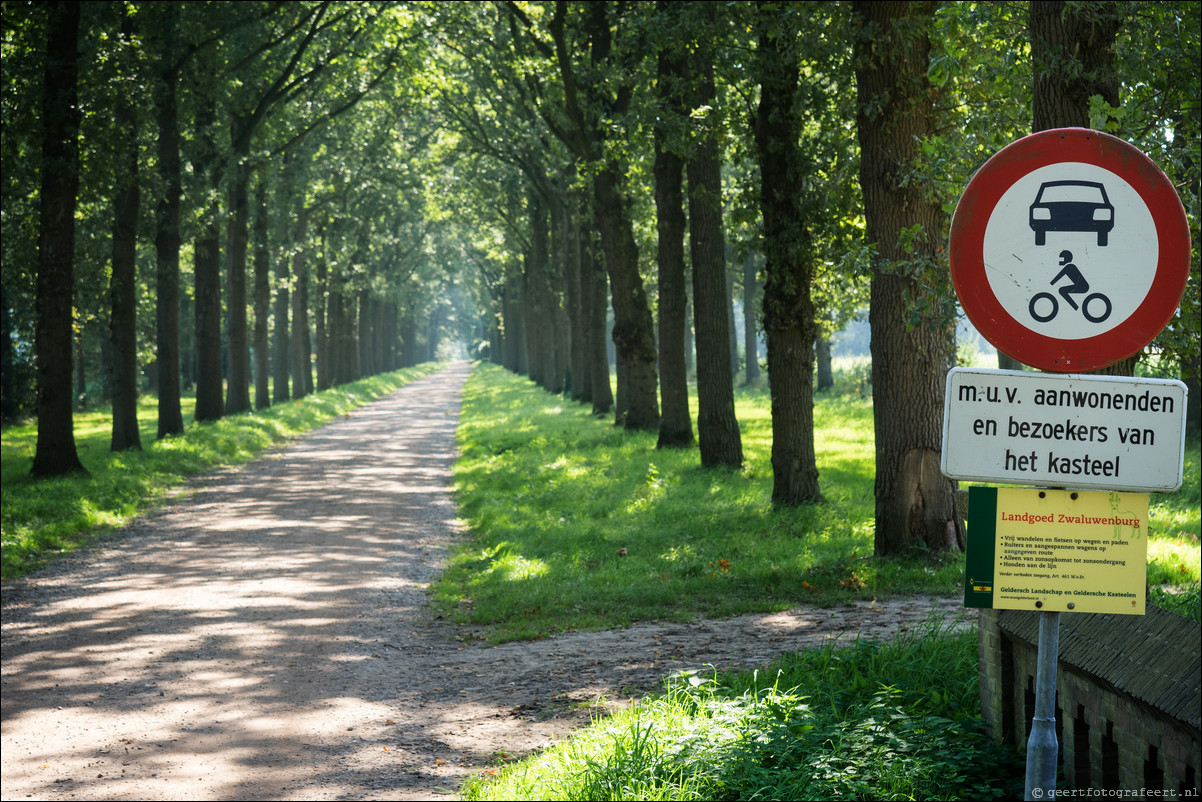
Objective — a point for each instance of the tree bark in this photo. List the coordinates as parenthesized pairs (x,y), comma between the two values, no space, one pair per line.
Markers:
(1072,55)
(717,428)
(676,422)
(822,353)
(788,273)
(280,351)
(596,299)
(366,314)
(511,311)
(123,289)
(751,345)
(55,452)
(915,504)
(262,297)
(302,373)
(633,335)
(207,278)
(238,388)
(167,236)
(578,376)
(9,403)
(536,297)
(321,325)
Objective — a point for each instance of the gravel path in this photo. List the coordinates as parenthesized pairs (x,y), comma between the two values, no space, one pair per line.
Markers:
(267,637)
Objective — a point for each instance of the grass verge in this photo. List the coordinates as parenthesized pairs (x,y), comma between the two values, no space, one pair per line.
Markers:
(578,524)
(900,722)
(44,517)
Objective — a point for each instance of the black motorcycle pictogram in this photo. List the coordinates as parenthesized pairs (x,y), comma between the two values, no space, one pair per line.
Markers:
(1044,306)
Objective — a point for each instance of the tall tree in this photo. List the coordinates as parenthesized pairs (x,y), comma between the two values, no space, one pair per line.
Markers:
(911,348)
(717,429)
(123,284)
(786,199)
(55,453)
(676,423)
(579,122)
(167,218)
(206,269)
(262,296)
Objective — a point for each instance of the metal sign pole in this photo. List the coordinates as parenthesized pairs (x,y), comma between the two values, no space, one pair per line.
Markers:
(1042,744)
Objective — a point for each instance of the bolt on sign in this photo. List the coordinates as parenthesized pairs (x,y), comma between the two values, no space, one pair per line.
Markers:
(1057,550)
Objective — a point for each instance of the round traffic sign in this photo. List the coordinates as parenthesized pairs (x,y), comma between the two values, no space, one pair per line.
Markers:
(1069,250)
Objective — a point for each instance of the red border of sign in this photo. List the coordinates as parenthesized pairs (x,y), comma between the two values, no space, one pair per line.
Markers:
(966,249)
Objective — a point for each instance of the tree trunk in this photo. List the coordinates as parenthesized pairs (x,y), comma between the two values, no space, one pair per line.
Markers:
(634,332)
(915,504)
(1008,363)
(9,403)
(751,345)
(302,374)
(321,324)
(123,287)
(788,273)
(822,353)
(1072,55)
(532,325)
(207,279)
(334,323)
(55,452)
(390,334)
(167,236)
(536,297)
(596,298)
(280,351)
(365,334)
(408,327)
(676,422)
(717,428)
(578,376)
(237,239)
(81,379)
(558,279)
(262,295)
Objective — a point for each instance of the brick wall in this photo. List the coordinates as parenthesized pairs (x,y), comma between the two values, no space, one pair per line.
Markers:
(1109,738)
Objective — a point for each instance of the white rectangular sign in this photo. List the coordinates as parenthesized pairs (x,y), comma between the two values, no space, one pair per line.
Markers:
(1064,430)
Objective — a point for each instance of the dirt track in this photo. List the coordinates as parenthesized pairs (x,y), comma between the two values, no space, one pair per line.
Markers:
(267,637)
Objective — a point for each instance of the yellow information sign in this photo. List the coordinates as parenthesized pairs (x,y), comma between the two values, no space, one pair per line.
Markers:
(1056,550)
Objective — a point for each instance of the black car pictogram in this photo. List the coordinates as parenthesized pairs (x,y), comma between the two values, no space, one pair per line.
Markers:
(1071,206)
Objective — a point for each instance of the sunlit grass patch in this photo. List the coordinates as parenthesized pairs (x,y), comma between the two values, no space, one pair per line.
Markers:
(624,532)
(892,721)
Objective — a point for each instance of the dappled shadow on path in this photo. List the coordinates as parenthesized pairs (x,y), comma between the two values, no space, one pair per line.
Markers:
(242,642)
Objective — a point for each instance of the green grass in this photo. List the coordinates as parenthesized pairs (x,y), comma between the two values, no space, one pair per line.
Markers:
(552,495)
(44,517)
(890,721)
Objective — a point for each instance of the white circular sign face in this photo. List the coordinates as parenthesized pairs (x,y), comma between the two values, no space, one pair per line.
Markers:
(1072,249)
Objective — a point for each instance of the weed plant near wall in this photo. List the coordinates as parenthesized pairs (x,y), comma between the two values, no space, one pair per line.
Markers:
(578,524)
(44,517)
(893,721)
